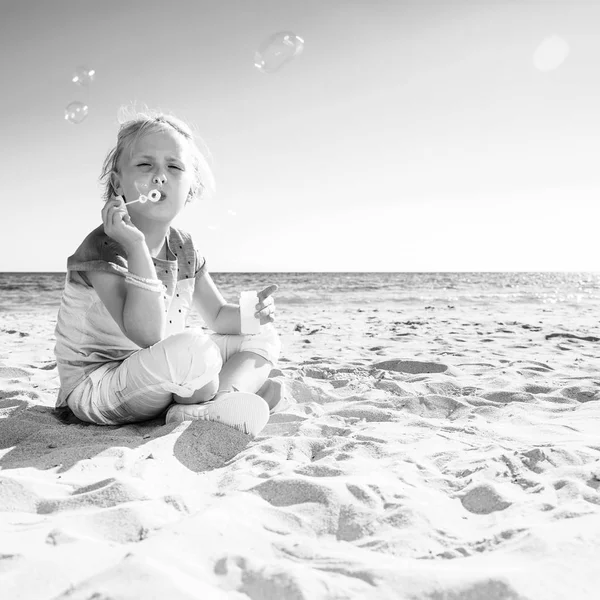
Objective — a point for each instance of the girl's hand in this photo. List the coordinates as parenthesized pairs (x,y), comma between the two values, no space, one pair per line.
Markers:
(265,309)
(118,225)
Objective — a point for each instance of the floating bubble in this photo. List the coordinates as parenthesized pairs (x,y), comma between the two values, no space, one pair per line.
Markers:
(277,50)
(231,212)
(76,112)
(146,188)
(83,75)
(550,54)
(142,186)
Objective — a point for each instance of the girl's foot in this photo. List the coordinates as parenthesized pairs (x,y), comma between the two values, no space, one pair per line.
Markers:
(273,393)
(243,411)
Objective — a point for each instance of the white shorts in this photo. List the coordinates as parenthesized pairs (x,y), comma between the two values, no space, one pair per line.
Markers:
(141,387)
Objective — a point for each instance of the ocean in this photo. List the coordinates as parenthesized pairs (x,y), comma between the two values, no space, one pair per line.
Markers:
(42,291)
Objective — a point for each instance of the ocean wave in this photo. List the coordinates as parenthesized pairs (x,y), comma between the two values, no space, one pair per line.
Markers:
(20,291)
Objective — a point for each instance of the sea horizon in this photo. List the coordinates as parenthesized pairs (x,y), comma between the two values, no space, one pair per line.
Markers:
(21,290)
(355,272)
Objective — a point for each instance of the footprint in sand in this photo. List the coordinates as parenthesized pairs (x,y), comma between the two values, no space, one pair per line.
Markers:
(106,493)
(256,579)
(484,498)
(319,471)
(13,373)
(47,367)
(136,520)
(580,393)
(371,414)
(531,365)
(290,491)
(507,396)
(412,367)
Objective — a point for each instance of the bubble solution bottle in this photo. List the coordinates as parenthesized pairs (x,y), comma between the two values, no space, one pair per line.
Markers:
(248,302)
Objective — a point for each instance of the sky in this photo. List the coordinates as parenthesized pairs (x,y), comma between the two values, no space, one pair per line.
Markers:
(408,135)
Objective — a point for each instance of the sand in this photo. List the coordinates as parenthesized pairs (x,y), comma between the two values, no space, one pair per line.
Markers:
(434,453)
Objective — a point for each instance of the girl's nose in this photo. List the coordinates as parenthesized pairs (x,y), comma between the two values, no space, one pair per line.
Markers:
(159,179)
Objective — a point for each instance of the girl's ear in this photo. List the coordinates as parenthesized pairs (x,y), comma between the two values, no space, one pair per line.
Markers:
(190,195)
(116,183)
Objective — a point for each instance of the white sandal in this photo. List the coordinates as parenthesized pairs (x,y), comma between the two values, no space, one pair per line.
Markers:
(243,411)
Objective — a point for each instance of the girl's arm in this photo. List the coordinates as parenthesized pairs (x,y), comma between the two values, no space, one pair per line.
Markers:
(225,318)
(139,313)
(220,316)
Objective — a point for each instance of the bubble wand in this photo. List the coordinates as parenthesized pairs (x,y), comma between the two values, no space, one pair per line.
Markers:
(152,195)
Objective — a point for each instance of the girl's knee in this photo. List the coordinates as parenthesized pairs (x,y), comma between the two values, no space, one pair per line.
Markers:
(190,341)
(191,355)
(266,344)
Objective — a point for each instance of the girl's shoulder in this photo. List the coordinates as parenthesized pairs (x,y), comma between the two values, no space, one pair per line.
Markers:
(98,251)
(182,244)
(181,237)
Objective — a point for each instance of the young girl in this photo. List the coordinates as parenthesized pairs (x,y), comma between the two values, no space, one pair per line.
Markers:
(122,348)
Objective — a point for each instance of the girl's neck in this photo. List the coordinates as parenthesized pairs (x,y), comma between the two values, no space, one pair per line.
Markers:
(159,251)
(155,238)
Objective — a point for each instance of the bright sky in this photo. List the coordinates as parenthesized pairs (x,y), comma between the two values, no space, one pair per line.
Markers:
(409,135)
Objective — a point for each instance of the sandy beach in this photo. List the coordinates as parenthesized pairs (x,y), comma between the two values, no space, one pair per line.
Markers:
(438,453)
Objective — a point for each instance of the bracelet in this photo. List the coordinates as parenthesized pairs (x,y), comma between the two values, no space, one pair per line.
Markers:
(151,287)
(143,279)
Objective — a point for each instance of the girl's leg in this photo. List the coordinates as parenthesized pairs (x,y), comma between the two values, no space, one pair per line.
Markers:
(249,372)
(273,393)
(142,386)
(244,371)
(204,394)
(248,361)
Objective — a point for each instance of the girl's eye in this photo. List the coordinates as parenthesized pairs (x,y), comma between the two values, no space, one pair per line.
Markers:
(171,166)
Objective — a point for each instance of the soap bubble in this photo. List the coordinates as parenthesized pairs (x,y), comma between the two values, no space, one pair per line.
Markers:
(142,185)
(76,112)
(83,75)
(550,54)
(277,50)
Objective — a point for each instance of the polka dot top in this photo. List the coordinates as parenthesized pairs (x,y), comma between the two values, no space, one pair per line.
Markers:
(86,334)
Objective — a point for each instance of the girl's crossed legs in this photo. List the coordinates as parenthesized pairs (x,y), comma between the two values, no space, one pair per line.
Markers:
(188,367)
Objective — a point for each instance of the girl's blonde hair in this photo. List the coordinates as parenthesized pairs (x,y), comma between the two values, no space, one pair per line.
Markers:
(145,122)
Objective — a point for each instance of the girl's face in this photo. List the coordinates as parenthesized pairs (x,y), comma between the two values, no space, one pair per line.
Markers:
(163,159)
